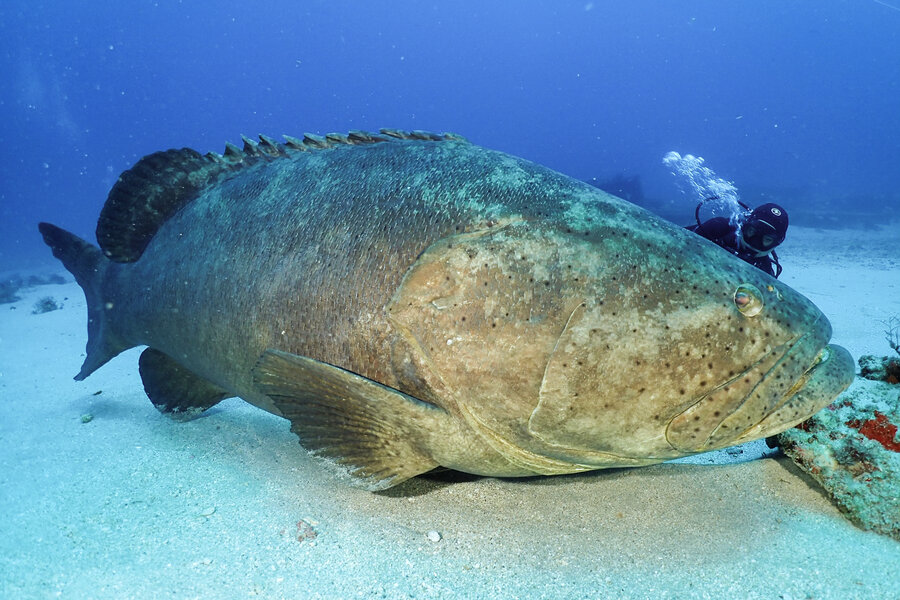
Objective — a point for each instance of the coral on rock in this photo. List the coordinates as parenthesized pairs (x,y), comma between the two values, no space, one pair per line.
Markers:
(880,368)
(852,449)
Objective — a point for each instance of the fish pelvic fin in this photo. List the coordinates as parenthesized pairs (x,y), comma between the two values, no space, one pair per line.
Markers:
(88,265)
(174,390)
(379,434)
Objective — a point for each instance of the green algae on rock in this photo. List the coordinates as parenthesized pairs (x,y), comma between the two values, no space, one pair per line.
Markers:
(852,449)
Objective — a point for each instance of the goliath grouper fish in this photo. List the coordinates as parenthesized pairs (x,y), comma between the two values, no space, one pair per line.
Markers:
(410,301)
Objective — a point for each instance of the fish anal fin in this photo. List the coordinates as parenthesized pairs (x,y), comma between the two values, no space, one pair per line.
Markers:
(379,434)
(175,390)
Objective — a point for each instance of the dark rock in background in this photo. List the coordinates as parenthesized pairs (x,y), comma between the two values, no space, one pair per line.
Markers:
(45,305)
(11,284)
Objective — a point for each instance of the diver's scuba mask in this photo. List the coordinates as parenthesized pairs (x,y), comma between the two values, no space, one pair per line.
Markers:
(760,236)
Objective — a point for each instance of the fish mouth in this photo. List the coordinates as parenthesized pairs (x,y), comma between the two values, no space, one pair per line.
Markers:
(783,388)
(831,372)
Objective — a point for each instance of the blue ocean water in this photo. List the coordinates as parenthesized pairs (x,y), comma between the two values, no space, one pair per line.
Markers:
(795,101)
(664,103)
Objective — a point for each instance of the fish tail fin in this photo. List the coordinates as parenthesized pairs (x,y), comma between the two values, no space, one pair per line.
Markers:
(88,265)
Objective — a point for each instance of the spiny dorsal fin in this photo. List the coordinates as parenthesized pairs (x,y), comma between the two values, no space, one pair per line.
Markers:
(160,184)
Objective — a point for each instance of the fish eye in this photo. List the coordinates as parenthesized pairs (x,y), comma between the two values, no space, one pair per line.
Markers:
(748,300)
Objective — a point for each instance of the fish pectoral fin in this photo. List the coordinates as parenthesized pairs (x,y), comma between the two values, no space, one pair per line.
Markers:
(376,432)
(175,390)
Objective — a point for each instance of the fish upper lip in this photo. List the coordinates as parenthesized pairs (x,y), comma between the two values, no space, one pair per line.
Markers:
(820,358)
(837,368)
(798,383)
(789,348)
(754,398)
(694,428)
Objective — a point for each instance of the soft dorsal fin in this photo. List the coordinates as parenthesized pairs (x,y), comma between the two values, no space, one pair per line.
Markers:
(151,191)
(160,184)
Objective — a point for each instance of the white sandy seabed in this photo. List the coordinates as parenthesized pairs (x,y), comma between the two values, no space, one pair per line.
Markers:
(134,505)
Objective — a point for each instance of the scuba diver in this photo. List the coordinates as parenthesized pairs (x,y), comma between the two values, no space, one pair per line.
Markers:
(752,239)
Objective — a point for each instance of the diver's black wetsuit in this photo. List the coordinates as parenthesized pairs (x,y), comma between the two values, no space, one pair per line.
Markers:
(723,233)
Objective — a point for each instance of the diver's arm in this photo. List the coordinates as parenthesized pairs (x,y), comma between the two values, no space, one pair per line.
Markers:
(716,229)
(765,263)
